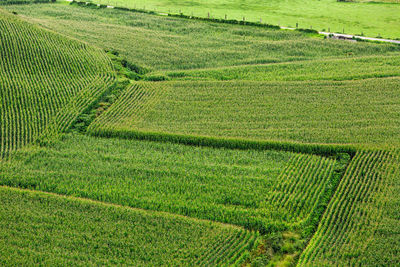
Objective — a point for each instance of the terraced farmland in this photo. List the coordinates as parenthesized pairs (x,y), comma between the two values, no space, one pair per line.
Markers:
(46,81)
(70,231)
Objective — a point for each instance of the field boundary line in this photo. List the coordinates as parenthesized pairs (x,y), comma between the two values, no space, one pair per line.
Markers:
(326,150)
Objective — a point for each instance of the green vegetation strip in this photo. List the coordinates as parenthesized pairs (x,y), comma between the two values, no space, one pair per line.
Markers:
(349,68)
(46,81)
(361,224)
(46,229)
(24,2)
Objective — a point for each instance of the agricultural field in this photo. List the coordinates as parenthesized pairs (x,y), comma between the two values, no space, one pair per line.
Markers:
(361,224)
(343,112)
(46,81)
(160,43)
(229,186)
(70,231)
(380,18)
(134,138)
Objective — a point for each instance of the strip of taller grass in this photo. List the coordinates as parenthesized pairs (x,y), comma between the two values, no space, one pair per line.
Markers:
(348,68)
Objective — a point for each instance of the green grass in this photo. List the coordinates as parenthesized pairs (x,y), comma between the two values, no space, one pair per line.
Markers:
(361,224)
(50,230)
(46,81)
(355,18)
(165,43)
(355,112)
(230,186)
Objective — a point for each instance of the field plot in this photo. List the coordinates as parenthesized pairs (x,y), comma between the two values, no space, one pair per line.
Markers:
(353,17)
(130,107)
(229,104)
(58,231)
(261,190)
(46,80)
(361,224)
(357,112)
(165,43)
(339,69)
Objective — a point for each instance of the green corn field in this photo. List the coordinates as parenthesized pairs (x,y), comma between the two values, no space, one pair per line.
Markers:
(46,81)
(134,137)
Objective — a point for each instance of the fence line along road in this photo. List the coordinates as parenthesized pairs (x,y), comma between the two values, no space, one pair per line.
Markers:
(349,36)
(346,36)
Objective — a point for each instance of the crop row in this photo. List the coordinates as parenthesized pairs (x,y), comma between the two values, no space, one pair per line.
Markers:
(359,226)
(45,81)
(130,107)
(56,230)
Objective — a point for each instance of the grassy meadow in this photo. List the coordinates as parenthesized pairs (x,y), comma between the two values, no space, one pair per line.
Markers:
(371,19)
(53,230)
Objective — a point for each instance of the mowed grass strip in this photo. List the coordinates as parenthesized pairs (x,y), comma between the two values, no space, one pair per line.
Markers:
(45,229)
(165,44)
(46,81)
(361,224)
(363,112)
(260,190)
